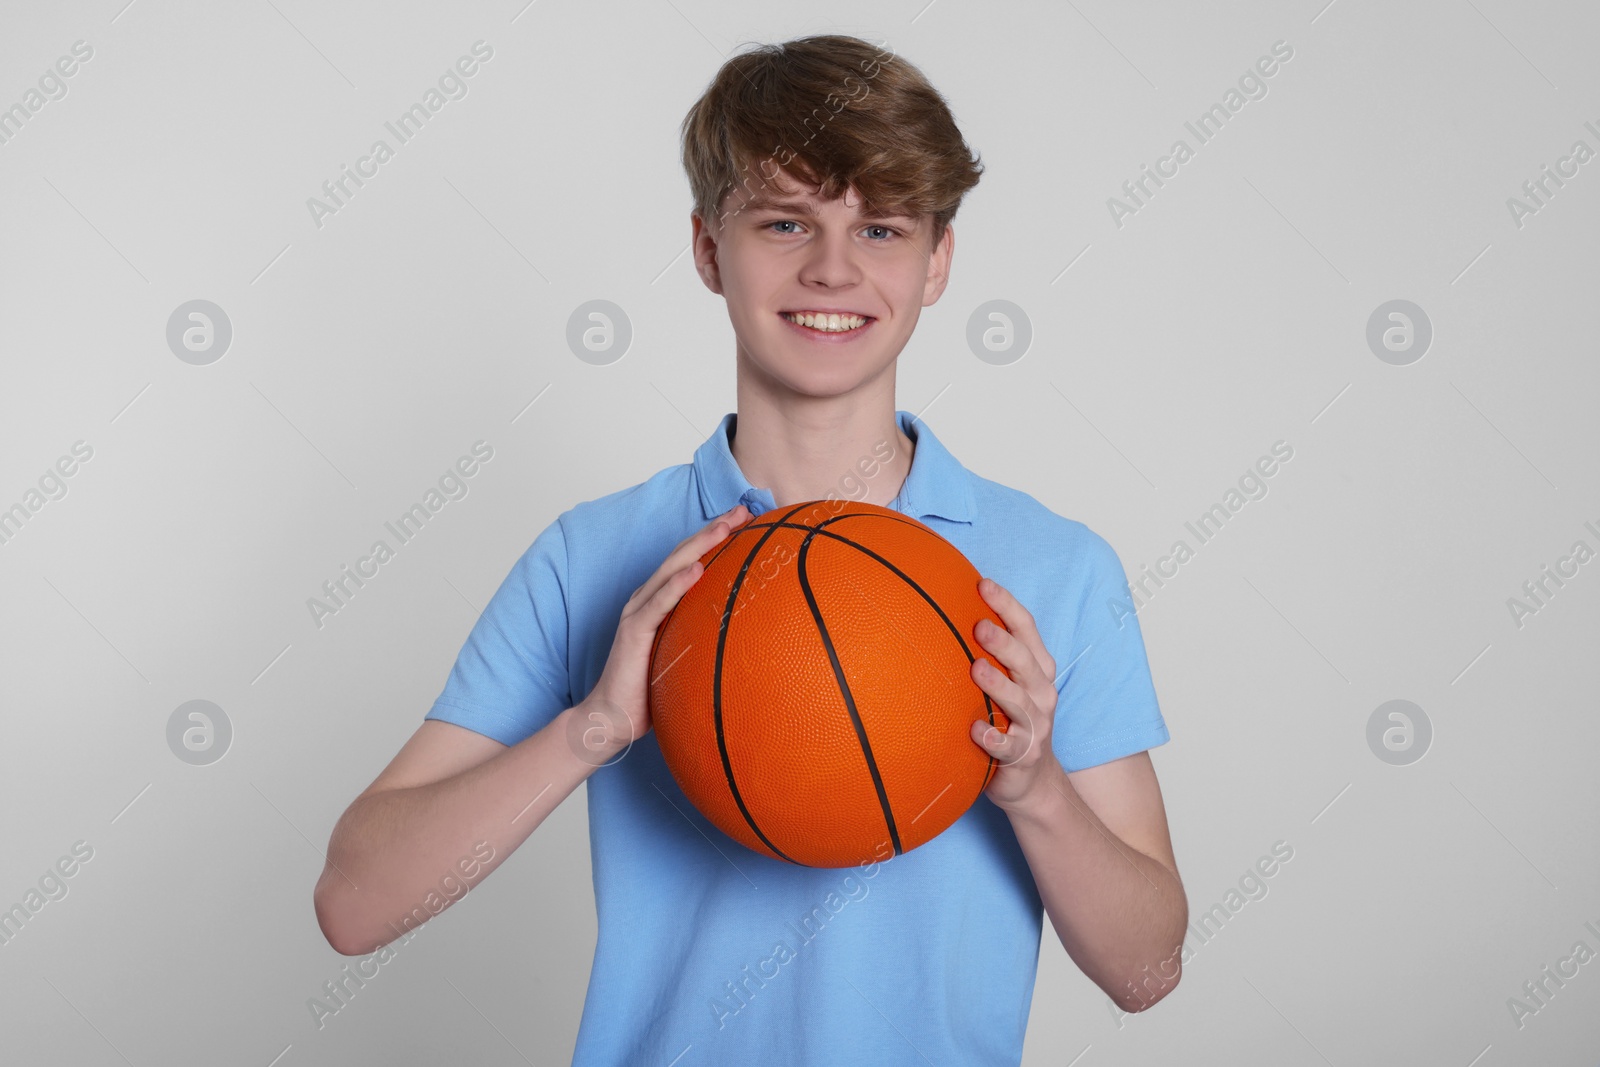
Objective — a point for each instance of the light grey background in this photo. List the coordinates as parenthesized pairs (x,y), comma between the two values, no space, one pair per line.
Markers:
(368,354)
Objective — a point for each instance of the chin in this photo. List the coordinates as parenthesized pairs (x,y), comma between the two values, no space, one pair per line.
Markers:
(819,382)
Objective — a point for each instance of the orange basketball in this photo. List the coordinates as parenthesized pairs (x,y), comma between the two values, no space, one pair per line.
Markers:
(812,691)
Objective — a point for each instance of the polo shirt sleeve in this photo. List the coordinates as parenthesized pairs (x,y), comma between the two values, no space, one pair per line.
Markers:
(510,678)
(1106,707)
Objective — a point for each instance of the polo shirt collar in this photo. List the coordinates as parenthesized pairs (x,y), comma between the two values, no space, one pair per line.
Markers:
(937,485)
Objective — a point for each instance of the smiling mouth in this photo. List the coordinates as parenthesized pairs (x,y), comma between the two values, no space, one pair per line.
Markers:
(826,323)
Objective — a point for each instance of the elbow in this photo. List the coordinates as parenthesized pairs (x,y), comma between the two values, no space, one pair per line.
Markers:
(1156,980)
(1150,988)
(344,942)
(1147,1000)
(335,926)
(346,948)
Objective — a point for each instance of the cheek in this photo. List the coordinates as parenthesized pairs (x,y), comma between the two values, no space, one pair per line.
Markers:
(907,310)
(753,286)
(910,281)
(746,301)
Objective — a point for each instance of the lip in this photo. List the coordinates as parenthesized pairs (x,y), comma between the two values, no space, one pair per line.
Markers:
(818,337)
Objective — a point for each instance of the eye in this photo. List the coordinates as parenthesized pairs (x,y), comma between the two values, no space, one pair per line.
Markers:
(784,222)
(888,231)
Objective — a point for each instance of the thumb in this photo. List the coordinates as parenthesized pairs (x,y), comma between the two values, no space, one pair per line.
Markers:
(991,738)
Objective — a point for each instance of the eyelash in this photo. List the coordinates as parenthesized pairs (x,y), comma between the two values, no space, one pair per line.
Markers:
(873,226)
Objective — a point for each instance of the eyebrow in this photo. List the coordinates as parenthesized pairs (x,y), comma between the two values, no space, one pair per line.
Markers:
(804,207)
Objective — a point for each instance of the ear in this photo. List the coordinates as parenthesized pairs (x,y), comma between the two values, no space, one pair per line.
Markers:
(704,245)
(939,266)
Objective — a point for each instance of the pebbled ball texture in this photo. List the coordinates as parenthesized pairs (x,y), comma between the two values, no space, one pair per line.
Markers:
(812,691)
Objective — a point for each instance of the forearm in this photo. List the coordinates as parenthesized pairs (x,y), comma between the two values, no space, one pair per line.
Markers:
(390,850)
(1119,913)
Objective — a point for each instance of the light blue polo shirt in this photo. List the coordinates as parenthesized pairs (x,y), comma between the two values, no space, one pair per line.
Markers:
(710,953)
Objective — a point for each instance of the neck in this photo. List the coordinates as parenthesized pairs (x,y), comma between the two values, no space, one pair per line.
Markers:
(851,447)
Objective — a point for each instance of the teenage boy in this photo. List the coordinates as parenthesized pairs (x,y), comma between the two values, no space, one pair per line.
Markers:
(825,249)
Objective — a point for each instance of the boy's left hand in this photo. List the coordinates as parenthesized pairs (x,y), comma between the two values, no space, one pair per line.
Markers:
(1028,698)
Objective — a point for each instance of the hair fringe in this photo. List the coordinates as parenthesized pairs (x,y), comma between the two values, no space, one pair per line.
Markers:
(835,112)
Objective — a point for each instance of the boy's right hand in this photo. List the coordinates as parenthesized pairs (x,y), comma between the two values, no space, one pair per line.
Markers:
(617,711)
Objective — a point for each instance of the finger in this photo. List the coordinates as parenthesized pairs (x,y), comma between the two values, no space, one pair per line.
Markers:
(1007,746)
(695,544)
(666,598)
(691,548)
(1004,691)
(642,625)
(674,576)
(1013,654)
(733,517)
(1014,699)
(1019,620)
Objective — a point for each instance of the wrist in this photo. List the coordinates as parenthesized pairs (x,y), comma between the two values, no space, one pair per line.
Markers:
(597,730)
(1051,794)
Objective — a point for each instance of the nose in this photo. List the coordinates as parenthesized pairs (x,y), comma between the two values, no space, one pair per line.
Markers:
(830,262)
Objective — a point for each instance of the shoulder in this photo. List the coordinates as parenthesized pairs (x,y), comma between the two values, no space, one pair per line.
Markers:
(602,536)
(664,494)
(1066,548)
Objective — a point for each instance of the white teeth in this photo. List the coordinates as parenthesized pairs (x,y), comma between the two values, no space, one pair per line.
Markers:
(827,323)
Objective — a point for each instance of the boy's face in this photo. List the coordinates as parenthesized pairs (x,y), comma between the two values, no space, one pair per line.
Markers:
(779,250)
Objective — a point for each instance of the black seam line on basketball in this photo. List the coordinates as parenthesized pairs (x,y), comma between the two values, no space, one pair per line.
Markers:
(901,519)
(661,627)
(988,703)
(902,574)
(716,693)
(844,690)
(895,517)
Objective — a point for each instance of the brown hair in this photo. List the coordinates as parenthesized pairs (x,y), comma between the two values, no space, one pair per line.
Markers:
(836,112)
